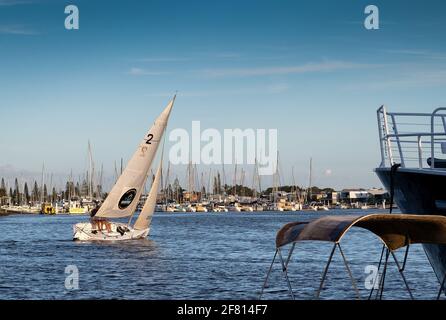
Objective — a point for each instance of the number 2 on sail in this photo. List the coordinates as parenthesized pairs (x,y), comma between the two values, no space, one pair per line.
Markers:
(149,139)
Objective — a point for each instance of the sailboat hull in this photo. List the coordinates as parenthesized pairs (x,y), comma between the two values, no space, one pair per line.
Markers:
(118,232)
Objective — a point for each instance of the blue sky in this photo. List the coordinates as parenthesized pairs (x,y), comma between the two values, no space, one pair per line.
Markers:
(308,68)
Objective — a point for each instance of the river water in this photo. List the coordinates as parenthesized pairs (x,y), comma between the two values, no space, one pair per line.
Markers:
(191,256)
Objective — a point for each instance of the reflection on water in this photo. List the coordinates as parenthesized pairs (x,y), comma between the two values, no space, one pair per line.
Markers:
(189,256)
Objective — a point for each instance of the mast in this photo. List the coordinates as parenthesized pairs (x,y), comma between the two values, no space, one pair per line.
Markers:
(293,188)
(208,190)
(276,179)
(224,180)
(70,188)
(51,187)
(189,180)
(89,170)
(42,185)
(256,180)
(310,190)
(166,185)
(99,186)
(116,172)
(235,181)
(242,182)
(196,180)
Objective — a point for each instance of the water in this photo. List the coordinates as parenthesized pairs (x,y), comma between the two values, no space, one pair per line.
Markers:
(190,256)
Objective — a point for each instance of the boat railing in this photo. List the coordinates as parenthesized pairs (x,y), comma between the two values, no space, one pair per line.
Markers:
(411,139)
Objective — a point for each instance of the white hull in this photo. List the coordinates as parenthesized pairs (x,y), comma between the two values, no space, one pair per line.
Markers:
(84,232)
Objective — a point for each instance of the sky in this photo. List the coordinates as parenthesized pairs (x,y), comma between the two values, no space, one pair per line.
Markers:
(306,68)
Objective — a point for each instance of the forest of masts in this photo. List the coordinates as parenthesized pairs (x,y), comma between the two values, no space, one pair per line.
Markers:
(199,186)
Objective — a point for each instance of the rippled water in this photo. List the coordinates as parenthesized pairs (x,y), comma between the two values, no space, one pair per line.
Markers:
(189,256)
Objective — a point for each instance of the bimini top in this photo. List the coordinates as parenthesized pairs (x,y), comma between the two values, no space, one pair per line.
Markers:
(395,230)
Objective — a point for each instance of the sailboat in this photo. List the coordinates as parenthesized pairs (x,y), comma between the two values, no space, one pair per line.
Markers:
(123,199)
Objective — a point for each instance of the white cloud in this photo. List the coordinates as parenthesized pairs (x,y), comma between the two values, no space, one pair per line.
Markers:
(278,88)
(417,53)
(329,66)
(143,72)
(253,90)
(10,3)
(17,30)
(163,59)
(227,55)
(415,78)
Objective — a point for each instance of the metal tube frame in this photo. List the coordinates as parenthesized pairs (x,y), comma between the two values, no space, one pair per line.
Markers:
(324,275)
(349,272)
(284,269)
(441,287)
(401,271)
(377,276)
(267,275)
(400,150)
(380,291)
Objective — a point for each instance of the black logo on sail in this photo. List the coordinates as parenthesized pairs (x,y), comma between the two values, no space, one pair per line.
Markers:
(127,199)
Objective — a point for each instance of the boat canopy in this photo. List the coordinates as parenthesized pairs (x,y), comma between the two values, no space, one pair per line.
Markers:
(395,230)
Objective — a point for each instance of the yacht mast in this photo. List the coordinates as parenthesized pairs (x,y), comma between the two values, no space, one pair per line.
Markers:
(42,184)
(310,190)
(235,180)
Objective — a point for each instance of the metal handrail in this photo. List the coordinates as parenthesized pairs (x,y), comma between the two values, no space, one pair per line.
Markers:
(433,132)
(389,134)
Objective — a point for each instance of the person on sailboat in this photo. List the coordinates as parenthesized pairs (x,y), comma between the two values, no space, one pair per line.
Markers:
(95,222)
(99,223)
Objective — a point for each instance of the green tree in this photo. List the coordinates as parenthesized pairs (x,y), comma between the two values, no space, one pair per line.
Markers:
(35,192)
(17,198)
(45,193)
(11,196)
(3,189)
(218,183)
(53,195)
(77,190)
(26,193)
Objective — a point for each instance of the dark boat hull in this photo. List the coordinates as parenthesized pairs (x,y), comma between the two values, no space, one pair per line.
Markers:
(420,192)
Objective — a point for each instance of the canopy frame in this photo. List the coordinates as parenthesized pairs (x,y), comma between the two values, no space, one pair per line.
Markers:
(332,229)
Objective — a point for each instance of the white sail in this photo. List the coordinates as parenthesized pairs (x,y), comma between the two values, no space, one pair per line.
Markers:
(123,198)
(145,217)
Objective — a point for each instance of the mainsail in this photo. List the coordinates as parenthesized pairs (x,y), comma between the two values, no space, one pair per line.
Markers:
(145,217)
(123,198)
